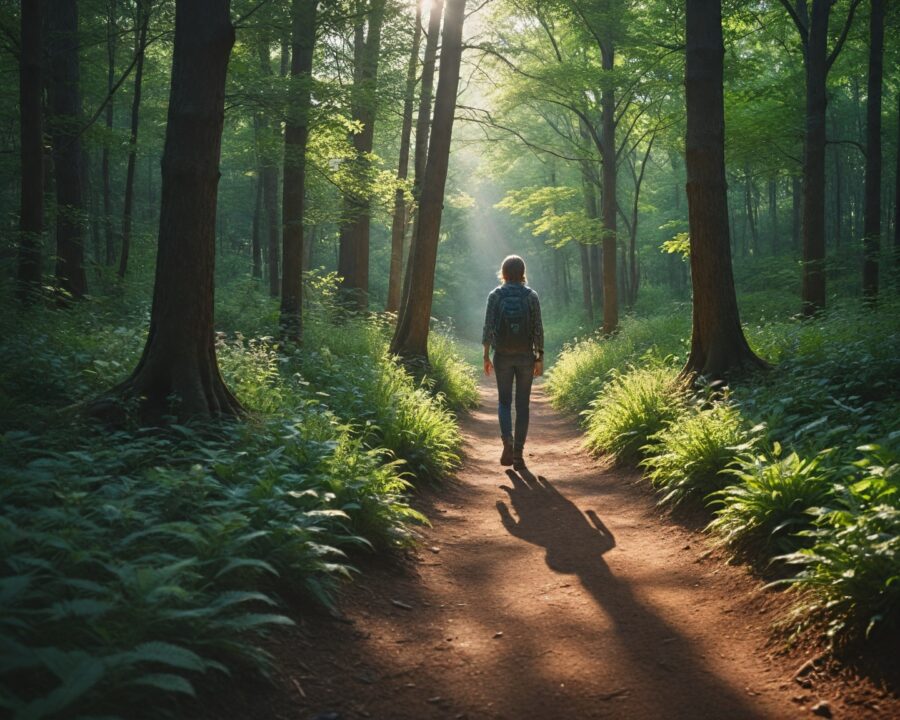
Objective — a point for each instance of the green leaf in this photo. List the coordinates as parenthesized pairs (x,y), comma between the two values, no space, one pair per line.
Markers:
(166,682)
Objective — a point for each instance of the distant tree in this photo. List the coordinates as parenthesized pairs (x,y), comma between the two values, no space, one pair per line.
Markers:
(112,36)
(140,46)
(718,345)
(423,126)
(399,221)
(268,173)
(178,373)
(410,340)
(872,228)
(812,26)
(353,259)
(65,133)
(296,135)
(31,216)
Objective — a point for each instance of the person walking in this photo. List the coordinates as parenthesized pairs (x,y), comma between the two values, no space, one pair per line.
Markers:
(513,329)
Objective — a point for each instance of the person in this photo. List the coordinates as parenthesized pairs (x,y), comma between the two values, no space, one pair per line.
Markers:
(513,329)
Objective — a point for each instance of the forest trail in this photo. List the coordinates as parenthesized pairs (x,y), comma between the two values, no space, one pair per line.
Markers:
(572,599)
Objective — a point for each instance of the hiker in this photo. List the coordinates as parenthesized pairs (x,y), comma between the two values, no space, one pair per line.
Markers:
(513,328)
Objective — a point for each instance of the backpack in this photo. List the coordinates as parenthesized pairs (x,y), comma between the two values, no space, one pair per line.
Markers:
(512,333)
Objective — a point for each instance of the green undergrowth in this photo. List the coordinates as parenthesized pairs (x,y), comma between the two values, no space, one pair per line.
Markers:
(136,563)
(799,466)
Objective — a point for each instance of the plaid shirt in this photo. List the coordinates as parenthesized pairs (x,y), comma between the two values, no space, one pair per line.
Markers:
(491,320)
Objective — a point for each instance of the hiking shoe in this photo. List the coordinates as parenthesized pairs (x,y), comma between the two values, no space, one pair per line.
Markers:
(507,457)
(518,462)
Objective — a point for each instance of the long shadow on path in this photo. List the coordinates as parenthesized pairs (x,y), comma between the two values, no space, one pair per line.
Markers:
(664,672)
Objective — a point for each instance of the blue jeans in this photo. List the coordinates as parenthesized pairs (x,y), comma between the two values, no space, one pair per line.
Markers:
(518,367)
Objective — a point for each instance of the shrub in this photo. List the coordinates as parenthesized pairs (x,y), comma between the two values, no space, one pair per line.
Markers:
(585,365)
(453,377)
(689,457)
(852,572)
(770,505)
(631,408)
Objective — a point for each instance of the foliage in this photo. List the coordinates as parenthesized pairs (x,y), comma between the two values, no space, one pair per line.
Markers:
(770,505)
(689,457)
(631,408)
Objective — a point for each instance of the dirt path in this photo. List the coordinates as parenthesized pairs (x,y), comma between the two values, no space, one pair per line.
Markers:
(562,595)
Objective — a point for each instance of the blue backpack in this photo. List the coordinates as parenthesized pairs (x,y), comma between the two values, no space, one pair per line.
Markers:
(512,333)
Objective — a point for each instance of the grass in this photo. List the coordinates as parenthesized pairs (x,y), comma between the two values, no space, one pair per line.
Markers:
(135,563)
(799,465)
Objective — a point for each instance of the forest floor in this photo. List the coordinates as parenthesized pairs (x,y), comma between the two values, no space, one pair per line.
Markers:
(561,592)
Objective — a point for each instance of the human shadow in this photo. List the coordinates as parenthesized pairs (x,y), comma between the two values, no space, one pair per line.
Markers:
(574,541)
(655,652)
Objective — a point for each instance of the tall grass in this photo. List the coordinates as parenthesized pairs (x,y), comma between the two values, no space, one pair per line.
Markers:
(826,504)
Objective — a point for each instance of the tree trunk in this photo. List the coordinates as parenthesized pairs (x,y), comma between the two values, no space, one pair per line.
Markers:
(353,261)
(872,230)
(718,346)
(411,338)
(398,224)
(296,135)
(796,210)
(609,203)
(838,200)
(255,244)
(112,32)
(751,220)
(813,285)
(31,217)
(140,41)
(897,204)
(269,176)
(423,124)
(773,214)
(586,297)
(66,140)
(179,359)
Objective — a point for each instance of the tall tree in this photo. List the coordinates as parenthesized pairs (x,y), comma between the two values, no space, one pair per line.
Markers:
(410,340)
(812,26)
(268,174)
(353,260)
(65,93)
(718,345)
(140,46)
(423,126)
(112,36)
(179,358)
(31,216)
(609,202)
(872,229)
(296,135)
(398,223)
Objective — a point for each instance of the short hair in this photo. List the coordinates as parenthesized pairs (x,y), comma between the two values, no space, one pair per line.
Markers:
(512,269)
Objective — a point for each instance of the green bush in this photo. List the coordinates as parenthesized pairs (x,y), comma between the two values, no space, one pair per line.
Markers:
(453,377)
(770,505)
(132,563)
(852,572)
(631,408)
(690,456)
(585,365)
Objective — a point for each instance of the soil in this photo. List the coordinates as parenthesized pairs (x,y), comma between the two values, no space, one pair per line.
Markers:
(558,592)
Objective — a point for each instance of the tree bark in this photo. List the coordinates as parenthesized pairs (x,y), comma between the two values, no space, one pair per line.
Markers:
(411,337)
(296,135)
(112,31)
(178,374)
(609,202)
(353,261)
(773,214)
(718,346)
(66,139)
(255,244)
(398,224)
(872,229)
(140,42)
(31,216)
(423,124)
(586,297)
(269,176)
